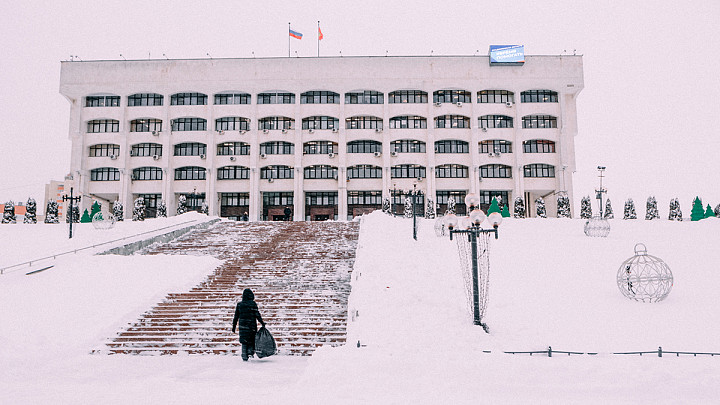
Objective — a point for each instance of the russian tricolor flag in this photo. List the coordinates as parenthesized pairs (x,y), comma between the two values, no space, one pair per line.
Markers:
(295,34)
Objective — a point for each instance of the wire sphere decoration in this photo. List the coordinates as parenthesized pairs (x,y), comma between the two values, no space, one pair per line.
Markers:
(100,222)
(597,227)
(644,277)
(440,229)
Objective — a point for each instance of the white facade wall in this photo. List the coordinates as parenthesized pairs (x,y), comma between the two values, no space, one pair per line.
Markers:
(561,74)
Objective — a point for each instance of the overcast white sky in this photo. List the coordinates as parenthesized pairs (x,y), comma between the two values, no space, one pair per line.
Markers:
(651,97)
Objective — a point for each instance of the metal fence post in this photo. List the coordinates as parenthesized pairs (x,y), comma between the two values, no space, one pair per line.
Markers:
(659,351)
(549,351)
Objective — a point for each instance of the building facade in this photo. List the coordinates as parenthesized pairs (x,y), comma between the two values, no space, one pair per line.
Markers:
(328,138)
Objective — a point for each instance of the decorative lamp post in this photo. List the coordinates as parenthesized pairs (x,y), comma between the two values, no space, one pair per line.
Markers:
(478,263)
(70,210)
(597,226)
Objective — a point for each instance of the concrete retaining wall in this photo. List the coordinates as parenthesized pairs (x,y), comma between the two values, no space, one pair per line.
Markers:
(131,248)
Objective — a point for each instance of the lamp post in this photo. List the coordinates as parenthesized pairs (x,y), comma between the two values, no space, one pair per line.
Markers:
(414,193)
(473,229)
(70,211)
(599,192)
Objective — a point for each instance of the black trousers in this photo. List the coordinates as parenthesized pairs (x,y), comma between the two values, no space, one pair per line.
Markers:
(248,350)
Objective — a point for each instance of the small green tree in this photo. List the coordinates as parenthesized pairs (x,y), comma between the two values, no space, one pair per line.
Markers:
(697,213)
(85,217)
(505,212)
(709,212)
(94,209)
(494,207)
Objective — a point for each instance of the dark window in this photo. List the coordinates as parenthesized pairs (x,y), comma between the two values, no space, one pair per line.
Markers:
(276,172)
(189,124)
(452,121)
(319,97)
(495,171)
(282,198)
(539,121)
(452,146)
(539,96)
(363,122)
(451,96)
(233,173)
(233,148)
(105,174)
(321,198)
(276,98)
(147,173)
(319,147)
(486,197)
(190,173)
(407,171)
(232,98)
(146,149)
(407,96)
(190,149)
(99,126)
(102,101)
(320,172)
(364,197)
(495,121)
(104,149)
(538,146)
(443,196)
(495,146)
(364,147)
(145,99)
(146,125)
(320,122)
(496,96)
(234,199)
(272,123)
(232,124)
(539,170)
(277,148)
(408,121)
(451,171)
(364,97)
(188,99)
(364,172)
(407,146)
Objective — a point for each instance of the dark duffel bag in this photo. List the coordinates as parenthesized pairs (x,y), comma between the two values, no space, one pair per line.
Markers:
(264,343)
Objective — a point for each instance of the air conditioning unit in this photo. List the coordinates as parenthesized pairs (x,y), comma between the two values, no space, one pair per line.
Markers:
(133,177)
(377,154)
(491,154)
(311,130)
(419,179)
(156,157)
(132,152)
(334,129)
(232,158)
(459,104)
(438,104)
(483,129)
(335,176)
(393,153)
(263,156)
(378,129)
(265,131)
(202,156)
(509,104)
(270,180)
(220,132)
(156,133)
(113,157)
(284,131)
(243,132)
(331,155)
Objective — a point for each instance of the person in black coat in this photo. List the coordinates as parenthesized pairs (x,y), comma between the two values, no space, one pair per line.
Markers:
(246,314)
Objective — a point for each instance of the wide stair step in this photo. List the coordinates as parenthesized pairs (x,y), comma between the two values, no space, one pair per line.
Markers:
(299,272)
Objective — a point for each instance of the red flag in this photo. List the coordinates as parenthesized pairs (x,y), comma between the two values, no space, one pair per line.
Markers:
(320,35)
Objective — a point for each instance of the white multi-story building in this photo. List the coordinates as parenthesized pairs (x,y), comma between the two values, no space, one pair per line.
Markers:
(329,138)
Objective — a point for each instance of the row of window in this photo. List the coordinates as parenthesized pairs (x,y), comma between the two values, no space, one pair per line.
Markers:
(322,147)
(325,172)
(327,97)
(322,122)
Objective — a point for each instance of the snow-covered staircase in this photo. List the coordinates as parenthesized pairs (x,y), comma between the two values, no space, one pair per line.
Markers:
(299,272)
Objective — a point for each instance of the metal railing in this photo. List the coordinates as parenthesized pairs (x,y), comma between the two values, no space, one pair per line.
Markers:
(659,352)
(74,251)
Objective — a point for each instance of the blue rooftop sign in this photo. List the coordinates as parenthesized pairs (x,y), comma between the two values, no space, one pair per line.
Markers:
(507,54)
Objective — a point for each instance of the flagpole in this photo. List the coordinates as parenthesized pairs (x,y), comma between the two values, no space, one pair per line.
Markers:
(318,37)
(288,40)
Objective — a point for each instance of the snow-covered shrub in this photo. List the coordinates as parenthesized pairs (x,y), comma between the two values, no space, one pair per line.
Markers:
(162,209)
(204,208)
(609,214)
(629,212)
(540,208)
(717,211)
(118,210)
(408,213)
(139,209)
(181,206)
(9,213)
(30,212)
(430,209)
(585,208)
(450,206)
(519,208)
(675,212)
(51,213)
(73,214)
(563,205)
(651,209)
(386,206)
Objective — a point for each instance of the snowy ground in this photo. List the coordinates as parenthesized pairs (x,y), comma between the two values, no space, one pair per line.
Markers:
(550,285)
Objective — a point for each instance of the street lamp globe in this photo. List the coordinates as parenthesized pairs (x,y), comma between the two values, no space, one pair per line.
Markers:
(472,200)
(477,217)
(495,219)
(465,223)
(451,221)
